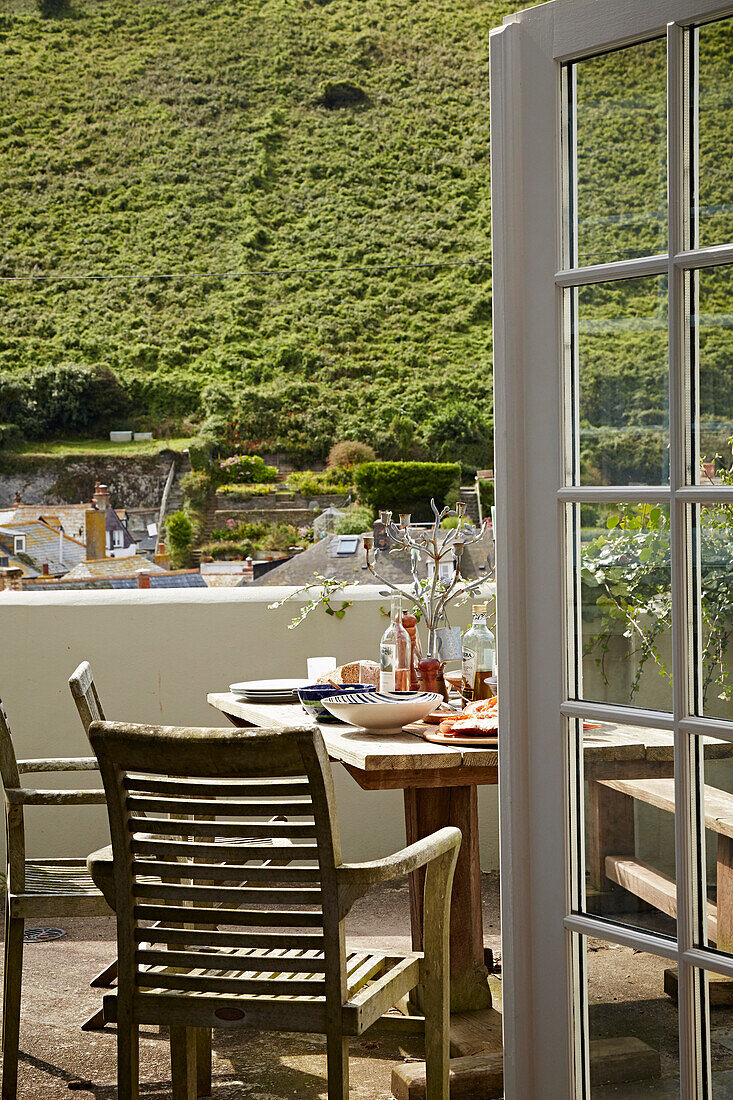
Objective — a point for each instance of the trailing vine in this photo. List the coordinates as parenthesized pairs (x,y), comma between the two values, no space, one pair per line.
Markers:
(625,574)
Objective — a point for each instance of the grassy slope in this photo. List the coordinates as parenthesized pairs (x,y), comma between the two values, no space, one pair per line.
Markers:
(153,136)
(170,135)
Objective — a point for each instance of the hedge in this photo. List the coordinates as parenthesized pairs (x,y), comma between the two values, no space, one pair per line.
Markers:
(50,401)
(407,486)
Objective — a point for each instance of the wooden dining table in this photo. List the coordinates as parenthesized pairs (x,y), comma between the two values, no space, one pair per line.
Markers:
(440,787)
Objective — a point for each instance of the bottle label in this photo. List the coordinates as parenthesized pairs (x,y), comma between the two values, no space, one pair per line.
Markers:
(469,667)
(387,666)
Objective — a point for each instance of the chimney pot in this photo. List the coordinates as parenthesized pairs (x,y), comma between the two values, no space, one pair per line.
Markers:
(45,568)
(143,580)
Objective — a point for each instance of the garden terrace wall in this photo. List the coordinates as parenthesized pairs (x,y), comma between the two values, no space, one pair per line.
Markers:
(155,655)
(134,482)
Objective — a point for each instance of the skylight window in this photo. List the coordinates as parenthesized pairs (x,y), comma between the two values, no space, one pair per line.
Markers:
(347,544)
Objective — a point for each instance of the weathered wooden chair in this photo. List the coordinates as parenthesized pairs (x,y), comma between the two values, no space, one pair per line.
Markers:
(85,695)
(274,956)
(36,888)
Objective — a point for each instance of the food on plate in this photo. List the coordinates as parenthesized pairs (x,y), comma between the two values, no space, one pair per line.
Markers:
(479,719)
(355,672)
(437,716)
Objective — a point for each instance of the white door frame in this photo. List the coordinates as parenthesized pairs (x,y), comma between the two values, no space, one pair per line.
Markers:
(541,956)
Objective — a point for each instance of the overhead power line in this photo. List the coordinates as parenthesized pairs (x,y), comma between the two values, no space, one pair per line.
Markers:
(253,273)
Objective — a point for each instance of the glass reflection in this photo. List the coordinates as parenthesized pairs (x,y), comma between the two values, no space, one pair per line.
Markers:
(629,842)
(620,336)
(712,337)
(714,213)
(624,591)
(621,153)
(633,1028)
(713,572)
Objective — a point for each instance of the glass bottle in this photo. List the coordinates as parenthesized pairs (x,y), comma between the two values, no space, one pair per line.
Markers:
(394,652)
(478,656)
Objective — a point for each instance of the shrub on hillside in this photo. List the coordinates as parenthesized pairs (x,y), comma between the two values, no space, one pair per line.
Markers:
(280,537)
(246,469)
(50,8)
(240,532)
(50,401)
(179,535)
(335,480)
(407,486)
(228,551)
(355,522)
(10,435)
(196,487)
(164,395)
(350,452)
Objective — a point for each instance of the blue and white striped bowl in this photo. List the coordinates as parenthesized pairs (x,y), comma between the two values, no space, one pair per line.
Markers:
(382,711)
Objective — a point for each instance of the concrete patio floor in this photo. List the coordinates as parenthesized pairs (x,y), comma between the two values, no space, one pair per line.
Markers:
(57,1058)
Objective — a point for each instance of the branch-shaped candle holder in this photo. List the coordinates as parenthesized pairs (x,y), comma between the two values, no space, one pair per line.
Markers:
(430,596)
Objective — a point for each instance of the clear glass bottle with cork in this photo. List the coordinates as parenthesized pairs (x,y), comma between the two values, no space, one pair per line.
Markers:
(394,652)
(479,646)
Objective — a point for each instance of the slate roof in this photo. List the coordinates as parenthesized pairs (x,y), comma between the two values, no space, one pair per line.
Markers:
(72,517)
(169,580)
(113,567)
(321,558)
(41,546)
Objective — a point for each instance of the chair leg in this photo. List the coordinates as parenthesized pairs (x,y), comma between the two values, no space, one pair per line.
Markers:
(12,978)
(337,1047)
(437,1038)
(203,1061)
(95,1022)
(183,1062)
(128,1068)
(106,978)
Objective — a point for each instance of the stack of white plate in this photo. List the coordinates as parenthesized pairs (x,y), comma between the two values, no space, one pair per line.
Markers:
(268,691)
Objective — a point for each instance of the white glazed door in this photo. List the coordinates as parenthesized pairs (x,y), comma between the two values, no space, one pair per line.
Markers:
(612,198)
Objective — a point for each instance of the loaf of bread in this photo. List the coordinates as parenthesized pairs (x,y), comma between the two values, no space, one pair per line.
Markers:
(355,672)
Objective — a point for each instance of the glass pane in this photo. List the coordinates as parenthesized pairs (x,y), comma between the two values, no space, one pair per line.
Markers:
(620,346)
(713,573)
(715,106)
(721,1037)
(712,350)
(629,827)
(624,593)
(717,810)
(621,154)
(633,1031)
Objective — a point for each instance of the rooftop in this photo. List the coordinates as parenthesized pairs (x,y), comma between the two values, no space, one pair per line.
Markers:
(113,567)
(342,557)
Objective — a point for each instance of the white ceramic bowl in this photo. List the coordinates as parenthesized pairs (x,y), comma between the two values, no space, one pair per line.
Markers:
(382,711)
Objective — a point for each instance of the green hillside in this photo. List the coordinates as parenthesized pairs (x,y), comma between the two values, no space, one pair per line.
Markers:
(205,136)
(165,136)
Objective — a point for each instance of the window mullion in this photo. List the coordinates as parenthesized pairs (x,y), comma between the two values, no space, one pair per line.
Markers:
(693,1058)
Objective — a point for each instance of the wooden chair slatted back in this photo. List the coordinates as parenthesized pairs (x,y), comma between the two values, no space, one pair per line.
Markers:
(84,692)
(214,828)
(14,825)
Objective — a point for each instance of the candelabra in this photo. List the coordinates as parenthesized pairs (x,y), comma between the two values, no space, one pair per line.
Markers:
(430,596)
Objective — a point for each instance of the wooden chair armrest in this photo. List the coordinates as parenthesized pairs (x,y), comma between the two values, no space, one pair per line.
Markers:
(100,865)
(27,796)
(63,764)
(355,879)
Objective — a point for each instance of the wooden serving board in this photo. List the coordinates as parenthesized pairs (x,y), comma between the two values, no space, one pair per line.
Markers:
(430,733)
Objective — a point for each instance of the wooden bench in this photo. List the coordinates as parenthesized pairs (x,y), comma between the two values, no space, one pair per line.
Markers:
(658,889)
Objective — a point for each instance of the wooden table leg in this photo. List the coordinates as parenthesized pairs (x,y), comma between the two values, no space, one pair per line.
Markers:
(724,898)
(428,809)
(610,833)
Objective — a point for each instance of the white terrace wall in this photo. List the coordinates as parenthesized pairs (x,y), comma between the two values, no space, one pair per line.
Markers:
(155,655)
